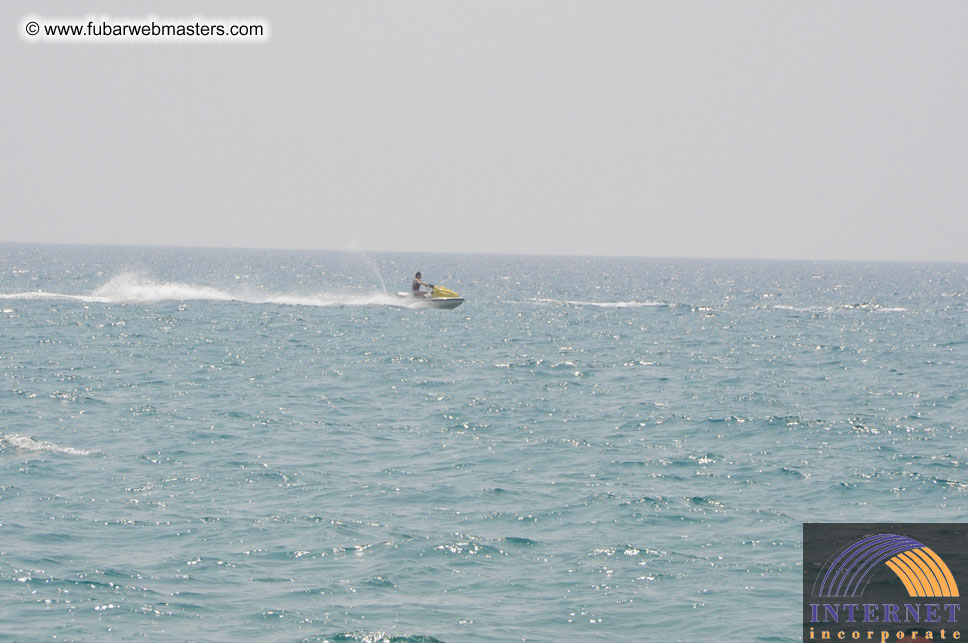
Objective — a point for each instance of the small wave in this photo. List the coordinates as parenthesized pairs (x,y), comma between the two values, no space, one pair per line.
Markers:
(604,304)
(127,288)
(799,309)
(873,305)
(828,309)
(891,309)
(24,442)
(378,637)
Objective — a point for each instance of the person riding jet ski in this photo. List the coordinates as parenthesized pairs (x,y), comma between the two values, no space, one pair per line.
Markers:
(436,297)
(417,283)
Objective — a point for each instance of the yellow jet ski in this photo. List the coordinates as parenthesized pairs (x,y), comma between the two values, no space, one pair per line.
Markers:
(439,297)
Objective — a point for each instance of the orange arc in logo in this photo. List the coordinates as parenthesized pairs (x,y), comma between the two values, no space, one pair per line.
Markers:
(924,574)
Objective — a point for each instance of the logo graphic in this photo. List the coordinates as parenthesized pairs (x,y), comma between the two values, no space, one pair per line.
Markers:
(886,582)
(921,570)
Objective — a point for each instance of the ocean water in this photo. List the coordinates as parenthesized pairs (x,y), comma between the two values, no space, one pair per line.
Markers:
(240,444)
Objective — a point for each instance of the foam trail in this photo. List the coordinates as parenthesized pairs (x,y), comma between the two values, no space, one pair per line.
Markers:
(604,304)
(131,288)
(873,306)
(42,295)
(127,288)
(23,442)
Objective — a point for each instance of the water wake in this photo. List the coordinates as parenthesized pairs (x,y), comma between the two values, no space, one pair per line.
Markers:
(127,288)
(23,442)
(604,304)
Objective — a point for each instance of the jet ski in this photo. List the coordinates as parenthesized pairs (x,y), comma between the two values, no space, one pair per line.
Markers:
(440,297)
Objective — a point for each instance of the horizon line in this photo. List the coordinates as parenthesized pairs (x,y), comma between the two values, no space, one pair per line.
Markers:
(478,253)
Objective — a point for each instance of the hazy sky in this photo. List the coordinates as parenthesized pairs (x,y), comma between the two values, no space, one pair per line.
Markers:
(812,129)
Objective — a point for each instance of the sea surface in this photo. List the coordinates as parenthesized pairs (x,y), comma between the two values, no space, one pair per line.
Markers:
(205,444)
